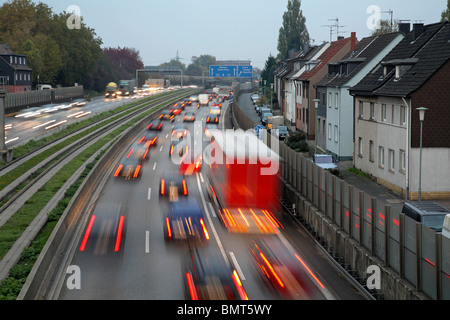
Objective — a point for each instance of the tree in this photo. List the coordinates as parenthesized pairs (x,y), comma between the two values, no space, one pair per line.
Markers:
(385,28)
(123,62)
(269,68)
(446,13)
(293,34)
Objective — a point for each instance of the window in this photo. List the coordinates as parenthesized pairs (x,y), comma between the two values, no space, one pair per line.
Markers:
(402,115)
(372,111)
(336,101)
(336,134)
(360,147)
(393,114)
(361,109)
(381,157)
(324,98)
(391,160)
(371,151)
(330,97)
(329,131)
(402,161)
(383,113)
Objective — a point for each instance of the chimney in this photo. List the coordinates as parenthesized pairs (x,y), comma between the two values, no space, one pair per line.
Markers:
(417,30)
(353,42)
(404,27)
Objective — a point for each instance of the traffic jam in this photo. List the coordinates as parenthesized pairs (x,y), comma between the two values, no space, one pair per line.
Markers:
(243,198)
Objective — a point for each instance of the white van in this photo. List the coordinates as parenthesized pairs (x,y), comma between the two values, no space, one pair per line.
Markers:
(446,227)
(44,87)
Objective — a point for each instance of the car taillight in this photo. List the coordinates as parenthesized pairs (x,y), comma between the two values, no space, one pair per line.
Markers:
(118,170)
(191,286)
(185,192)
(239,287)
(171,150)
(136,172)
(163,187)
(205,231)
(169,231)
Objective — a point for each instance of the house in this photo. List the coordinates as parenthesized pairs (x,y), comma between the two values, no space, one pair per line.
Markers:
(415,74)
(335,113)
(14,67)
(315,70)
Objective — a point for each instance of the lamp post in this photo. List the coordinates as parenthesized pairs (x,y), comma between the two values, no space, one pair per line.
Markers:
(422,118)
(316,105)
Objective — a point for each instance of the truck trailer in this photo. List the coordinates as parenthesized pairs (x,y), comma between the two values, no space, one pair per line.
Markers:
(244,185)
(127,87)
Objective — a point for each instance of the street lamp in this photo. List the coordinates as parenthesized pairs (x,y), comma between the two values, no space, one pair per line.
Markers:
(316,104)
(422,118)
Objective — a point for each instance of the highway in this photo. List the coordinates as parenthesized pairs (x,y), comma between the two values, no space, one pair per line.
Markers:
(38,122)
(122,253)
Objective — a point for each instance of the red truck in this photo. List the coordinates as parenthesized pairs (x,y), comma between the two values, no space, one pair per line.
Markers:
(243,182)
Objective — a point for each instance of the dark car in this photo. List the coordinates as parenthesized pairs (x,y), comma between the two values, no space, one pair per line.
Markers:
(207,277)
(167,115)
(189,117)
(212,118)
(179,131)
(131,163)
(281,132)
(176,110)
(428,213)
(187,102)
(173,186)
(178,147)
(149,140)
(155,124)
(185,222)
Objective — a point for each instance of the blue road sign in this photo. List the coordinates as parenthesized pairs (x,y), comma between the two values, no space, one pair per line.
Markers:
(259,132)
(245,71)
(223,71)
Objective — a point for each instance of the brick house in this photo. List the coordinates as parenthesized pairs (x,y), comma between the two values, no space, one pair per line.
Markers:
(416,73)
(14,67)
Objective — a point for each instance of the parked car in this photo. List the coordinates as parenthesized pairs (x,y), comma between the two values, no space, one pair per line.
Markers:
(429,213)
(281,132)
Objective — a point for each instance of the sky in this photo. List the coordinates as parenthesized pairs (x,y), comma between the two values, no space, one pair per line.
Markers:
(231,29)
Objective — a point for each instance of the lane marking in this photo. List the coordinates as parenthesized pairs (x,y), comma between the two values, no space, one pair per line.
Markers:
(149,194)
(213,229)
(236,266)
(147,241)
(154,166)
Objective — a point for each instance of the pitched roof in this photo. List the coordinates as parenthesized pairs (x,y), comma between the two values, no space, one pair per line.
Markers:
(421,58)
(365,51)
(332,50)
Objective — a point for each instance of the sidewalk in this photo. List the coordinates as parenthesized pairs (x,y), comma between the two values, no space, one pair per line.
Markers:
(364,184)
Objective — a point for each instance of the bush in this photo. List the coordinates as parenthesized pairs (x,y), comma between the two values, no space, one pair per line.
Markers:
(297,141)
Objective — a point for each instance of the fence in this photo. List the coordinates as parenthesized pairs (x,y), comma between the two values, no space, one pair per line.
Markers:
(415,253)
(17,101)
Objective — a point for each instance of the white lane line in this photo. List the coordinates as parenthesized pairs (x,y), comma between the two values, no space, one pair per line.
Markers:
(149,194)
(201,177)
(147,241)
(213,229)
(212,210)
(236,266)
(160,149)
(154,167)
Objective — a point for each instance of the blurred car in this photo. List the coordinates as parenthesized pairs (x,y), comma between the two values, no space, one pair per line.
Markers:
(187,102)
(149,140)
(172,186)
(209,129)
(155,124)
(213,118)
(194,98)
(281,269)
(189,117)
(179,131)
(281,132)
(178,147)
(185,222)
(207,277)
(131,164)
(176,110)
(217,104)
(215,111)
(167,115)
(191,163)
(264,118)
